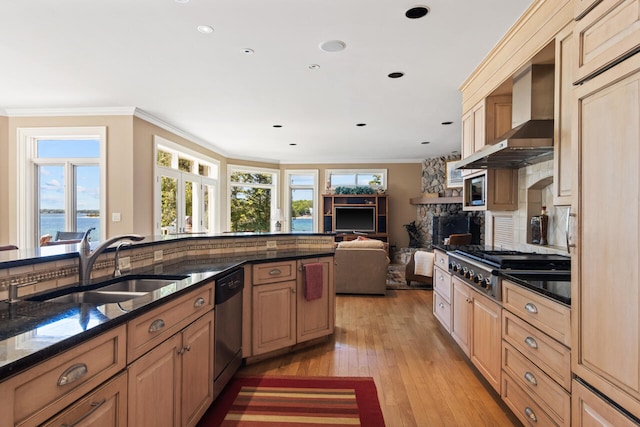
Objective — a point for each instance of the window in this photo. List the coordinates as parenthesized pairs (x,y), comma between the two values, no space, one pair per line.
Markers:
(252,198)
(376,178)
(301,200)
(63,182)
(186,190)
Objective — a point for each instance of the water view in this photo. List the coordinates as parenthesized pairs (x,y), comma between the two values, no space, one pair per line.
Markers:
(51,223)
(301,224)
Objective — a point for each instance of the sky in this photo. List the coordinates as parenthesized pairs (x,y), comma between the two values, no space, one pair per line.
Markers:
(52,179)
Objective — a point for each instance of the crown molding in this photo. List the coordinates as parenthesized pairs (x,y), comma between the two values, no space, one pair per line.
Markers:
(82,111)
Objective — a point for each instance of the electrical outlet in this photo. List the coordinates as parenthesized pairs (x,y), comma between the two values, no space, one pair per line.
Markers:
(272,244)
(157,255)
(125,263)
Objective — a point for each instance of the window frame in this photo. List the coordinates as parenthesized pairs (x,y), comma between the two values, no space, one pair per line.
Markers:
(288,173)
(355,172)
(28,163)
(274,187)
(213,180)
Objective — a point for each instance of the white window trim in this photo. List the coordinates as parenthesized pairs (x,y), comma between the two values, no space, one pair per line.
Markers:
(383,172)
(287,197)
(214,180)
(27,138)
(273,186)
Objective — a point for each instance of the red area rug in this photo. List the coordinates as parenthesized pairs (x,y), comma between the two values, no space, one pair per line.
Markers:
(296,401)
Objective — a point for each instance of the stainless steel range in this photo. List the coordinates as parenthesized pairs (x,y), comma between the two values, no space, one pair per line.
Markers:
(481,268)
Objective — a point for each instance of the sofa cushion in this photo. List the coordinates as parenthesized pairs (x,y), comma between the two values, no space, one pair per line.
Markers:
(369,243)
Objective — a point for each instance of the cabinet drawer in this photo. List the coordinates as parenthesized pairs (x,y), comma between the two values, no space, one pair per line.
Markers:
(107,405)
(523,405)
(441,259)
(150,329)
(608,33)
(550,317)
(34,396)
(589,409)
(442,310)
(555,400)
(274,272)
(549,355)
(442,283)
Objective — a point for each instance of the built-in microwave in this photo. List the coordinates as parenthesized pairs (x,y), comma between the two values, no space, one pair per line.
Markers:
(476,190)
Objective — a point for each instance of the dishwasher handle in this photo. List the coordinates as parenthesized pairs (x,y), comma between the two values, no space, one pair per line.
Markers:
(228,286)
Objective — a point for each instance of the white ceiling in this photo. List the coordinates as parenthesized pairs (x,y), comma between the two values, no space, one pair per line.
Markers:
(147,54)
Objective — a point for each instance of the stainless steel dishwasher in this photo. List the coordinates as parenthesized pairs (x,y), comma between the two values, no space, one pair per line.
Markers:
(227,328)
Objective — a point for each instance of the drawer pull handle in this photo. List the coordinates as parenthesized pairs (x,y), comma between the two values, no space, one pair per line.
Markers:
(531,378)
(183,350)
(530,414)
(531,342)
(94,407)
(199,302)
(74,373)
(275,272)
(531,308)
(441,305)
(156,325)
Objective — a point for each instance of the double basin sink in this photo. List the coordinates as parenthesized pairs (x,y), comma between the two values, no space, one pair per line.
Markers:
(113,291)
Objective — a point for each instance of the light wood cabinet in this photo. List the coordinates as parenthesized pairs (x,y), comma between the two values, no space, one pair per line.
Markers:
(172,385)
(605,268)
(486,338)
(32,397)
(582,7)
(523,406)
(479,126)
(590,410)
(104,407)
(282,315)
(497,117)
(274,316)
(315,318)
(273,272)
(564,160)
(442,289)
(608,34)
(461,316)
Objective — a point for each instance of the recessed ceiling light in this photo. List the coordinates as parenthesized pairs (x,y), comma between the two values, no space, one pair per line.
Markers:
(205,29)
(446,123)
(293,143)
(396,75)
(361,124)
(314,67)
(417,12)
(248,51)
(182,1)
(333,46)
(277,126)
(425,142)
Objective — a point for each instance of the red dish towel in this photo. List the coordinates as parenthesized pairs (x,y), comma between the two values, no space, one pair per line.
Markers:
(313,281)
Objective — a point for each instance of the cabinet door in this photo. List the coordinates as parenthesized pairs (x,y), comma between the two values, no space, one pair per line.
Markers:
(467,135)
(563,158)
(588,409)
(479,127)
(154,386)
(605,293)
(197,369)
(486,342)
(274,316)
(502,189)
(461,318)
(104,407)
(316,318)
(498,117)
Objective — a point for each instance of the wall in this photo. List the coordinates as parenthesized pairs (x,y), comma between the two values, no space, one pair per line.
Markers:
(403,184)
(5,237)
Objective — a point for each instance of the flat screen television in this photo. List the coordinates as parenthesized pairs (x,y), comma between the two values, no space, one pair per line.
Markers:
(355,218)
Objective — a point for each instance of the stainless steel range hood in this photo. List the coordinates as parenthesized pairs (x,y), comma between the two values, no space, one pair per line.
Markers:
(530,140)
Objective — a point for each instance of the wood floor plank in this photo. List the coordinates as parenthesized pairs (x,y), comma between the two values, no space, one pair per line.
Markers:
(423,378)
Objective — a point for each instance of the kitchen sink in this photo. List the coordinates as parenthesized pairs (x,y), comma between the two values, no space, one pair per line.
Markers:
(137,285)
(96,297)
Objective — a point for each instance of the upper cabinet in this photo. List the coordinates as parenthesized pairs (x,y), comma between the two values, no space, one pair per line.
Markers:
(606,35)
(563,158)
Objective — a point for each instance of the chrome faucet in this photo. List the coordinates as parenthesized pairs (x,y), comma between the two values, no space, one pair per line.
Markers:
(116,267)
(88,257)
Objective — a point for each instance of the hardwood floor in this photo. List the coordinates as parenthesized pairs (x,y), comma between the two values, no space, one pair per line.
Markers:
(423,379)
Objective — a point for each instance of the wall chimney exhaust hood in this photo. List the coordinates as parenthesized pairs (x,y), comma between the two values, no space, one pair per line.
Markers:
(530,140)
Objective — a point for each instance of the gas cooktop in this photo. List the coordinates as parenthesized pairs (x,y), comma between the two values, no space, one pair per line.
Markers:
(517,260)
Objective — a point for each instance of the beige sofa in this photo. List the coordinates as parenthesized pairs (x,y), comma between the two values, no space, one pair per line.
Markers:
(361,267)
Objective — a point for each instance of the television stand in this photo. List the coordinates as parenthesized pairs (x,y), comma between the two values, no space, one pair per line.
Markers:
(377,201)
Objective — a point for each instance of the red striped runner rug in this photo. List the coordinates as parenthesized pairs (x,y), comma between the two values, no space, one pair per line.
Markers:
(296,401)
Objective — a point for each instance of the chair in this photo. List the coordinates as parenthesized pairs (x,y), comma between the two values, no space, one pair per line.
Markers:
(460,239)
(69,235)
(410,274)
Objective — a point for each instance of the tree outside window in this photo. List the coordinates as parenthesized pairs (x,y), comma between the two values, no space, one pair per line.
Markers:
(251,200)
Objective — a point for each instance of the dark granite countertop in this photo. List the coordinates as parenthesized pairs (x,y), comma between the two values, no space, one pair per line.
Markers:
(555,284)
(32,331)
